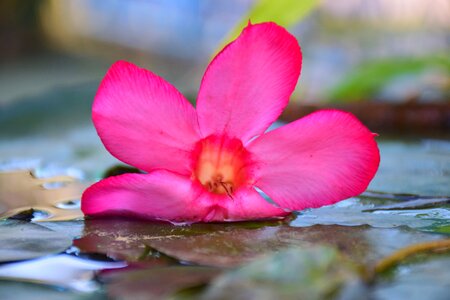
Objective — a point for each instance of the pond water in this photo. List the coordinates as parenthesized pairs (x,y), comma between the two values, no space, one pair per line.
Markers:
(47,249)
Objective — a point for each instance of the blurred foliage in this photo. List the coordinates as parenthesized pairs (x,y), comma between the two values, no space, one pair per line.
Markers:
(445,229)
(60,105)
(282,12)
(25,14)
(369,78)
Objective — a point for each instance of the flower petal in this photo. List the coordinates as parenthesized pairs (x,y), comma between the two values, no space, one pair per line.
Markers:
(246,204)
(159,195)
(163,195)
(248,84)
(318,160)
(143,120)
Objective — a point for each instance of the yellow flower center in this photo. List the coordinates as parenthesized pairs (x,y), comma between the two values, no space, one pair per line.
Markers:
(221,164)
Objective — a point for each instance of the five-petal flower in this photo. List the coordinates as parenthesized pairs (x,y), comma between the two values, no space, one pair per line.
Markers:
(204,164)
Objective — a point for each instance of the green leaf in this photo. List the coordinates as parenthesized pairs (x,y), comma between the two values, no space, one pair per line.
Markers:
(354,212)
(370,77)
(283,12)
(443,229)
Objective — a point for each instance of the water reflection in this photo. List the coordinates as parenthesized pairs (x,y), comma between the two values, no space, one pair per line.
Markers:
(65,271)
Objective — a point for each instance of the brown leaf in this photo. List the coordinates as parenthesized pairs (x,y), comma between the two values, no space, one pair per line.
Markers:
(21,191)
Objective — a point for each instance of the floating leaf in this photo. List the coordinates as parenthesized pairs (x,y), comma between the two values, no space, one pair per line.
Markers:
(22,240)
(57,197)
(295,273)
(205,244)
(354,212)
(124,238)
(413,204)
(396,197)
(234,248)
(237,246)
(129,239)
(231,245)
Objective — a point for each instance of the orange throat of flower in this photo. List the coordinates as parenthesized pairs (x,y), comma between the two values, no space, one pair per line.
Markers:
(221,165)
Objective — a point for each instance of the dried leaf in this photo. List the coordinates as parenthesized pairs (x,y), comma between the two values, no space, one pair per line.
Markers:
(57,197)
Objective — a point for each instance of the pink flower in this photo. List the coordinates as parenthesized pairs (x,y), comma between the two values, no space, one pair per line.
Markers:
(204,165)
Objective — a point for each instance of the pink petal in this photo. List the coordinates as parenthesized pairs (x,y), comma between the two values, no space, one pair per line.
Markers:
(246,204)
(143,120)
(318,160)
(159,195)
(248,84)
(163,195)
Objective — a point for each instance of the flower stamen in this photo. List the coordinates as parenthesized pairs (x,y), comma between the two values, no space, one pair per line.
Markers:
(221,165)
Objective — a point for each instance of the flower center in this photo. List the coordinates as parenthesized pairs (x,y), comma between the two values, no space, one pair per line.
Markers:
(221,164)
